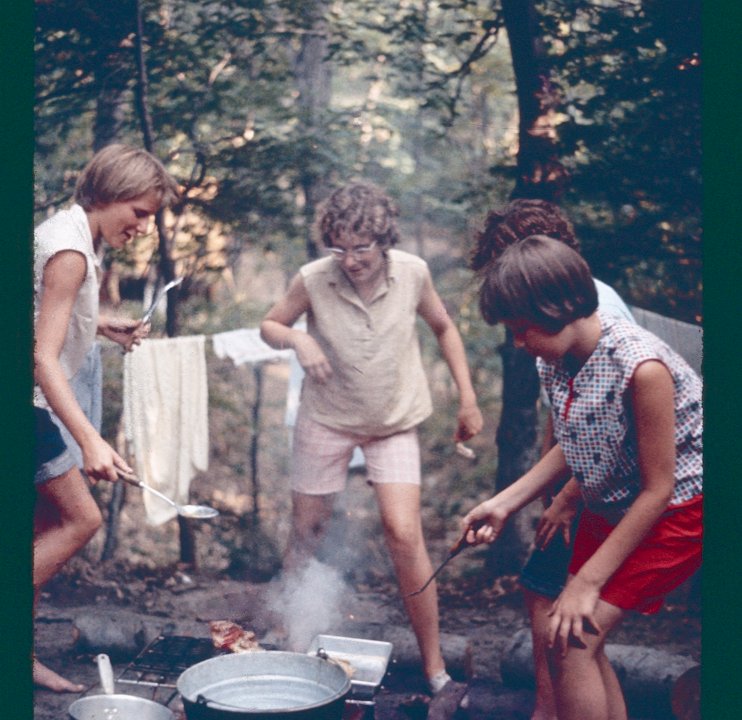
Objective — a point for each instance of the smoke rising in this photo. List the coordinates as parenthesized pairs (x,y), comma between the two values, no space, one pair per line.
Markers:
(308,600)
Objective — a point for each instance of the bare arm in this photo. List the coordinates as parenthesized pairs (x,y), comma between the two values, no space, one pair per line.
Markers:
(558,517)
(277,331)
(63,277)
(434,313)
(560,510)
(652,394)
(495,511)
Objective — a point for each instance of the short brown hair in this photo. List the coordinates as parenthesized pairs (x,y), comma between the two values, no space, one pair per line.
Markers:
(516,221)
(360,209)
(118,173)
(539,280)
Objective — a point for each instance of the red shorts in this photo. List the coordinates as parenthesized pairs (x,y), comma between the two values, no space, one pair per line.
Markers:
(666,558)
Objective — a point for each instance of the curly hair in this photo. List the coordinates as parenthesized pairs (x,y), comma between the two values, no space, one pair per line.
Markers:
(539,280)
(358,209)
(516,221)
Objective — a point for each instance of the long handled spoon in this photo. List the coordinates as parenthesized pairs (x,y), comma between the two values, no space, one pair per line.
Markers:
(198,512)
(105,673)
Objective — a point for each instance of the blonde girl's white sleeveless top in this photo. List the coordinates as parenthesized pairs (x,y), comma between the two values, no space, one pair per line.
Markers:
(69,230)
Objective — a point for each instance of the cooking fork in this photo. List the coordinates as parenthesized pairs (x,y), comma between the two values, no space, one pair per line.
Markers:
(158,296)
(456,548)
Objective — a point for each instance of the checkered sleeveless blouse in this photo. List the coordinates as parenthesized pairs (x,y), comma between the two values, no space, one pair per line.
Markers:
(594,425)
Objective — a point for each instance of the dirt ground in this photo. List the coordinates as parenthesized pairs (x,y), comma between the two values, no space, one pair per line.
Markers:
(173,600)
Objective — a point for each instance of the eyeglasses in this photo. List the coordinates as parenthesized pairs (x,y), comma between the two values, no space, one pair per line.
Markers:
(357,252)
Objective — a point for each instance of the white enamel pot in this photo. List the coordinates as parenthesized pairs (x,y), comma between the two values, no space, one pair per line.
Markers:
(111,705)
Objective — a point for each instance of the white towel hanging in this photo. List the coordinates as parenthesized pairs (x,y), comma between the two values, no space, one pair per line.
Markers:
(165,418)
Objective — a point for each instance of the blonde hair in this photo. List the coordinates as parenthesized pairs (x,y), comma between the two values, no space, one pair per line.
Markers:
(118,173)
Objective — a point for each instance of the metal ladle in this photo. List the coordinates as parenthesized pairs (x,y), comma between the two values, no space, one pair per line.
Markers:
(196,512)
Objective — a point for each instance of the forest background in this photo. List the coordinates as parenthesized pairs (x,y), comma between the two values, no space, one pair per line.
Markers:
(260,107)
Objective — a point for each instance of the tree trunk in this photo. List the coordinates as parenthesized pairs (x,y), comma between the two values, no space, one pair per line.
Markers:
(166,264)
(313,81)
(109,117)
(539,174)
(517,437)
(107,126)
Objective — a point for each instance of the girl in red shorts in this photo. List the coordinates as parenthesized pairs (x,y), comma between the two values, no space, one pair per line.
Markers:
(628,423)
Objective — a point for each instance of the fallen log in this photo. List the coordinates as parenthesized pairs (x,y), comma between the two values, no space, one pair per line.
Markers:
(647,675)
(123,634)
(457,650)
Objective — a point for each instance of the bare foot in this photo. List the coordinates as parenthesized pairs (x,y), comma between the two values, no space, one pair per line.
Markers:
(47,678)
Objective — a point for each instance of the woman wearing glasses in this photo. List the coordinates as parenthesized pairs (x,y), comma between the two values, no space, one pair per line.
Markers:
(365,387)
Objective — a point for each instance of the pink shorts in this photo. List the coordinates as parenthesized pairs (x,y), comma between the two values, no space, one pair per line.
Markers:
(321,455)
(666,558)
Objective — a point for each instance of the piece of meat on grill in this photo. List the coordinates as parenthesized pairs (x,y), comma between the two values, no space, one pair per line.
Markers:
(227,635)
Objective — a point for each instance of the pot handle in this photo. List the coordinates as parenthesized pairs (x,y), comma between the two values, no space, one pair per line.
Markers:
(205,702)
(105,672)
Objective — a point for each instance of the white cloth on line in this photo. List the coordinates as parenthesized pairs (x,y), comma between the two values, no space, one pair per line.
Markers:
(165,418)
(246,346)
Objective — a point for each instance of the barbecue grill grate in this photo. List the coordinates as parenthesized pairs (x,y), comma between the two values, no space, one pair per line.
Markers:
(161,663)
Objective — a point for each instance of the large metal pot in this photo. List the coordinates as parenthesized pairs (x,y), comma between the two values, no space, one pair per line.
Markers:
(264,686)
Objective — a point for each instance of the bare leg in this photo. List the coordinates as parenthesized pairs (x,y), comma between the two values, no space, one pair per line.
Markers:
(399,505)
(538,609)
(616,703)
(65,518)
(310,516)
(585,686)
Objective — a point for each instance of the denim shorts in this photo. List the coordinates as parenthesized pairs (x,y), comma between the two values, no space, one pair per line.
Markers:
(545,571)
(52,456)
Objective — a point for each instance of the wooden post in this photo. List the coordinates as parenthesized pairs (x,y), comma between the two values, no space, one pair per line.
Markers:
(255,437)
